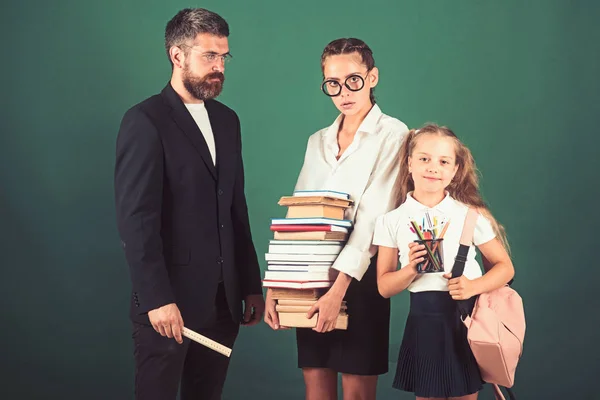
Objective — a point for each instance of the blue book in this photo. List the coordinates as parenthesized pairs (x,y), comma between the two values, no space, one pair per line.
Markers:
(325,193)
(312,221)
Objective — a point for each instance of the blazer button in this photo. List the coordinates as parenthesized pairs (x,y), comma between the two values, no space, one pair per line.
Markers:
(222,226)
(220,260)
(220,192)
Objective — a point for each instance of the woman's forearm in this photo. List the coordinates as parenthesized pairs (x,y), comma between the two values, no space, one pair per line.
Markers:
(340,286)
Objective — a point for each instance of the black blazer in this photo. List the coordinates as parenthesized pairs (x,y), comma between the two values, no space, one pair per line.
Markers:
(183,222)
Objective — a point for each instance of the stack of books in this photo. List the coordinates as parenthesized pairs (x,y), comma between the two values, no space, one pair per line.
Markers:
(293,305)
(306,243)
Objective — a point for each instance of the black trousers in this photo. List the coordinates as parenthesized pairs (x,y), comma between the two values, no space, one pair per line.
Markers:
(162,364)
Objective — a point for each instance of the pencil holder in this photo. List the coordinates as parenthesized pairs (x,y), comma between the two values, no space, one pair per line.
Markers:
(435,249)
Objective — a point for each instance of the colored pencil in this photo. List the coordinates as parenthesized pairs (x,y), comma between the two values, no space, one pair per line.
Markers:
(437,266)
(435,246)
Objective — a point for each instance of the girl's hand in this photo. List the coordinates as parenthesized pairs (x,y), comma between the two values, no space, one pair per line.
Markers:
(416,254)
(461,288)
(328,307)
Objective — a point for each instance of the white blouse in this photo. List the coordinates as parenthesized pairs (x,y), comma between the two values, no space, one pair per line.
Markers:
(393,230)
(367,170)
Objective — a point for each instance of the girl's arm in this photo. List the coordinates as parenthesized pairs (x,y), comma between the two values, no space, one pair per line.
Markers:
(390,279)
(499,269)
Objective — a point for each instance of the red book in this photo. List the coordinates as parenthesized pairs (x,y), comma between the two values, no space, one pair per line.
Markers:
(307,228)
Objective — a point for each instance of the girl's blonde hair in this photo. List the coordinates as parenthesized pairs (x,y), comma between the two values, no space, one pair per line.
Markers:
(465,185)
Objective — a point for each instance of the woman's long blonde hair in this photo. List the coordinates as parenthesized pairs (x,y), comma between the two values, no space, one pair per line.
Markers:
(465,185)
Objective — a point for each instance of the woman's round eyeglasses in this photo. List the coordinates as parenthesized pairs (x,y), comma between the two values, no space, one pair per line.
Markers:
(333,87)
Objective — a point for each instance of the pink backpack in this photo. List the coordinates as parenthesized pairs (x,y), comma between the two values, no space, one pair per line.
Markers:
(496,325)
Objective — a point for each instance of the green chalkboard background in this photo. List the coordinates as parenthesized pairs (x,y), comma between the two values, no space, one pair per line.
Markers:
(517,81)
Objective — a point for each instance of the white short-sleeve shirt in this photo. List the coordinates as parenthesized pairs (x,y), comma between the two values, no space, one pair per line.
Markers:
(367,170)
(393,230)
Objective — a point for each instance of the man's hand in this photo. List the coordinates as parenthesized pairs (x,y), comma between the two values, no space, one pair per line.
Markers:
(167,321)
(254,307)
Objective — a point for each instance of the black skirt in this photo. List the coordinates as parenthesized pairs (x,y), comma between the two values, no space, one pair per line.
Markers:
(435,359)
(362,349)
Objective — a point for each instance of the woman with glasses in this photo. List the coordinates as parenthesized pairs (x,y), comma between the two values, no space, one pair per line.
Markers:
(357,154)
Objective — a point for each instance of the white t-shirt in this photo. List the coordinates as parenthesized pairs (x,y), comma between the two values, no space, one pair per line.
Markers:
(393,230)
(200,115)
(367,170)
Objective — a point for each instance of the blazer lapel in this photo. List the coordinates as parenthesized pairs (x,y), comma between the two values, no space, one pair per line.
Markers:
(186,123)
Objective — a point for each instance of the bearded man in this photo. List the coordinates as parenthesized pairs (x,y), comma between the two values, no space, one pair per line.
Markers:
(182,218)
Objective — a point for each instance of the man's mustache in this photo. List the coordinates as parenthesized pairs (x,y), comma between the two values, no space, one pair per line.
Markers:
(215,75)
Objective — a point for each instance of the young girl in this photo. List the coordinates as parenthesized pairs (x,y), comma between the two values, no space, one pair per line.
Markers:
(357,154)
(438,184)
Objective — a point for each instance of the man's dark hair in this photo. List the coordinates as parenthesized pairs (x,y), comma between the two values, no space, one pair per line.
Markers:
(189,22)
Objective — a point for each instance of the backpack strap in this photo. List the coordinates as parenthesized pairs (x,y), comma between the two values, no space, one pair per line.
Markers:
(511,394)
(465,307)
(498,395)
(466,239)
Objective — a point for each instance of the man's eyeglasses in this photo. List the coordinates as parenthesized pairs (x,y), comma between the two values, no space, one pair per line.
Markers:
(354,83)
(211,57)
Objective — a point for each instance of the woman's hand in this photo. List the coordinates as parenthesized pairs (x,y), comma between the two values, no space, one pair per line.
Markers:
(328,307)
(271,316)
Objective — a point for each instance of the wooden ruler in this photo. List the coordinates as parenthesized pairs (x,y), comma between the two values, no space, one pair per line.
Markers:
(203,340)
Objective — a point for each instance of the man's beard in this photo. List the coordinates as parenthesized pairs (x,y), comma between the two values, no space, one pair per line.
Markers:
(203,88)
